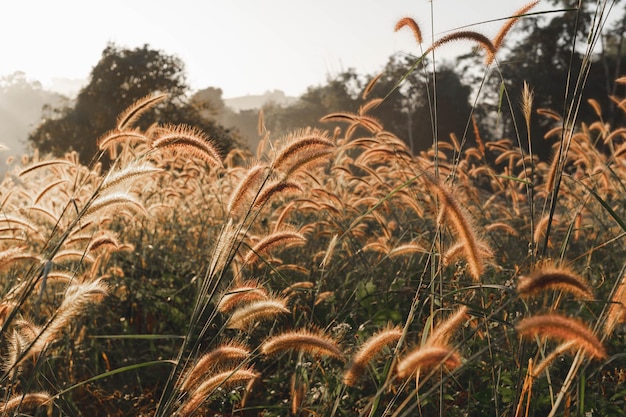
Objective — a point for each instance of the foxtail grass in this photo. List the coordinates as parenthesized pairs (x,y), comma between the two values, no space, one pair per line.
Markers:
(366,353)
(425,358)
(563,329)
(311,342)
(557,278)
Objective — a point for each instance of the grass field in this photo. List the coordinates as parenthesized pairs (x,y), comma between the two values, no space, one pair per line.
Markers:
(329,273)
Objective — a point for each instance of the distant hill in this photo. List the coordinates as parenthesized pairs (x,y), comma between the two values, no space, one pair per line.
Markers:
(238,104)
(21,110)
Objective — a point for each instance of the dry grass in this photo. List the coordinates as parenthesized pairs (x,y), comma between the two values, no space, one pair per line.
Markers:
(366,243)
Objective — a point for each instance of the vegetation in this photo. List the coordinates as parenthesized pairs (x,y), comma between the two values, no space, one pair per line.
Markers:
(334,273)
(121,77)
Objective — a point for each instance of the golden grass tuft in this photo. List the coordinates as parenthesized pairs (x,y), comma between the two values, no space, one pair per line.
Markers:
(479,38)
(244,293)
(133,112)
(302,146)
(527,102)
(248,185)
(225,353)
(311,342)
(368,350)
(123,176)
(43,164)
(115,137)
(563,329)
(25,402)
(113,200)
(277,188)
(257,311)
(78,297)
(204,390)
(370,85)
(406,249)
(189,141)
(442,333)
(272,241)
(427,357)
(462,223)
(504,30)
(557,278)
(328,254)
(413,26)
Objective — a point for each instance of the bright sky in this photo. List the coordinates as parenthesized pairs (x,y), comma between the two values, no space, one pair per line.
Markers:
(242,46)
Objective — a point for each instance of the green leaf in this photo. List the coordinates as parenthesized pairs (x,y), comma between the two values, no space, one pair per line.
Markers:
(606,206)
(618,395)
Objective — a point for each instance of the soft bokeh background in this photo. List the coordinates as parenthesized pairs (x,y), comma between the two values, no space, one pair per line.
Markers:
(244,46)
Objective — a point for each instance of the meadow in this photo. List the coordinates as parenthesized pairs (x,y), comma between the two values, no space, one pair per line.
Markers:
(325,274)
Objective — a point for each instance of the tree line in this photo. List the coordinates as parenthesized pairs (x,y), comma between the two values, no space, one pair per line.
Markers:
(418,104)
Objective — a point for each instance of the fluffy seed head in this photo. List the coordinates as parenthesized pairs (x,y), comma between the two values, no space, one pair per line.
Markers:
(247,292)
(426,358)
(226,353)
(257,311)
(411,24)
(315,343)
(564,329)
(558,278)
(368,351)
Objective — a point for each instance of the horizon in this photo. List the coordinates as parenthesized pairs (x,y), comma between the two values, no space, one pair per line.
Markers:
(259,47)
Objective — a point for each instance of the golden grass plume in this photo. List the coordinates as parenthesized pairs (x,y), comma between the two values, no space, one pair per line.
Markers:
(230,351)
(248,185)
(504,30)
(129,117)
(483,41)
(368,350)
(22,402)
(245,292)
(301,147)
(272,241)
(189,141)
(554,277)
(412,25)
(563,329)
(463,224)
(312,342)
(227,378)
(257,311)
(442,333)
(427,357)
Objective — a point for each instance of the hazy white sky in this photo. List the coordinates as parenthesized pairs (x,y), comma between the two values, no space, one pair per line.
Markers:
(241,46)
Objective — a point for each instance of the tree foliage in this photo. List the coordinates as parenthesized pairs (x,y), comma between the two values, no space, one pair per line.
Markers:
(411,108)
(407,110)
(551,58)
(121,77)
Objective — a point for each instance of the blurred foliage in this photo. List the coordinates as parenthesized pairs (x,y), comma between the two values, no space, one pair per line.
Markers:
(121,77)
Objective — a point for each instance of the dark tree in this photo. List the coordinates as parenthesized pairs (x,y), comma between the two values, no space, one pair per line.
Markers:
(121,77)
(550,57)
(339,94)
(409,110)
